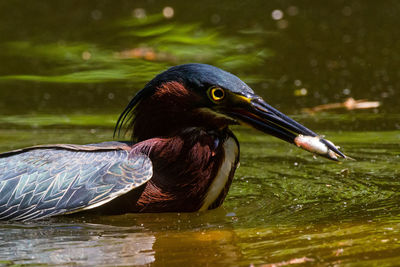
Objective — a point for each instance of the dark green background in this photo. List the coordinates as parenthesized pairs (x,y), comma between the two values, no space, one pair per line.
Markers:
(283,205)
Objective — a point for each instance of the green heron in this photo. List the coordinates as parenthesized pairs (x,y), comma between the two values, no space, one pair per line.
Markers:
(181,157)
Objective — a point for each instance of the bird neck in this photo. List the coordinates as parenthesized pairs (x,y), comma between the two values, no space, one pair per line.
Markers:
(169,110)
(191,171)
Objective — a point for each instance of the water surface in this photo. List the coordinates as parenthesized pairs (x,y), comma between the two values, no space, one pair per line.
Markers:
(67,70)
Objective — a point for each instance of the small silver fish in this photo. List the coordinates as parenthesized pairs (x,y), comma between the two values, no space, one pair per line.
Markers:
(314,145)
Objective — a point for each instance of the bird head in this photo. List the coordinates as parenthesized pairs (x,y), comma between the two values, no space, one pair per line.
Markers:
(200,95)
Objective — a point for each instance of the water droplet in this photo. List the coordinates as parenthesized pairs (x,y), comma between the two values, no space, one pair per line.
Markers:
(346,38)
(96,14)
(86,55)
(346,91)
(46,96)
(292,10)
(347,11)
(215,18)
(139,13)
(277,14)
(282,24)
(168,12)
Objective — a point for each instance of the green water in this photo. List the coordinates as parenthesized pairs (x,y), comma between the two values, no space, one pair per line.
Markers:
(68,68)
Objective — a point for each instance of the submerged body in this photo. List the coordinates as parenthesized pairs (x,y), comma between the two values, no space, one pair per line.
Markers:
(60,179)
(181,157)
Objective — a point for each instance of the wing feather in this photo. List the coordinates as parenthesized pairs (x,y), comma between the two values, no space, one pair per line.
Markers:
(46,181)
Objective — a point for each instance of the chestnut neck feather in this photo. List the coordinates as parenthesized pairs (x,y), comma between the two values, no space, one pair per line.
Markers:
(171,108)
(185,145)
(184,168)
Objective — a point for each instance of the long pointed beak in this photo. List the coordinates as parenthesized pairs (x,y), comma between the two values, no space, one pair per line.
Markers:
(257,113)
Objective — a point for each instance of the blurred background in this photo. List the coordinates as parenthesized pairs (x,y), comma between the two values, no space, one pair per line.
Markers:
(68,68)
(74,57)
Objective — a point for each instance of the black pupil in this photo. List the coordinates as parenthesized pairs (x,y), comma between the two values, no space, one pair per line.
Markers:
(218,93)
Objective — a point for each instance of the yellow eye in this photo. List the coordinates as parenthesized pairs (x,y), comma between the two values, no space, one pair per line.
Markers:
(216,94)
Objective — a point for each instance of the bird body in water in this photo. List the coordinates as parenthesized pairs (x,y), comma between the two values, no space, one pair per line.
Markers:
(181,158)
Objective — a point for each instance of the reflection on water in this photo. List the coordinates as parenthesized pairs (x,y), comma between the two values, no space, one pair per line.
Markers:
(166,44)
(65,76)
(86,244)
(283,205)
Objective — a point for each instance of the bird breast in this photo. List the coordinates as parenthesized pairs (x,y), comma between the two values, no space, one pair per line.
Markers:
(231,153)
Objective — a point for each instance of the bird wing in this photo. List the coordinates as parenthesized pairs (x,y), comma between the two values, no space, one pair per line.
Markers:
(44,181)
